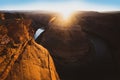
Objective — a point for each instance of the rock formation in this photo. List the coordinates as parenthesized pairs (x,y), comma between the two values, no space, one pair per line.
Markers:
(86,49)
(69,47)
(74,53)
(21,58)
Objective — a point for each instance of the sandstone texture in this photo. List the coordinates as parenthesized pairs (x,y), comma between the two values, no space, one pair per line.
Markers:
(21,58)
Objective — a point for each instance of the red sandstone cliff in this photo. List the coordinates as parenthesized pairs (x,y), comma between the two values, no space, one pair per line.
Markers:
(21,58)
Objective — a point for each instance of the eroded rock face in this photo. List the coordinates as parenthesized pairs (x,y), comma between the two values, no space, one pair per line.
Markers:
(70,49)
(21,58)
(107,27)
(68,46)
(34,63)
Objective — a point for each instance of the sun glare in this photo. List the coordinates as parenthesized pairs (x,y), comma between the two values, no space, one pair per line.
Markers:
(66,14)
(64,17)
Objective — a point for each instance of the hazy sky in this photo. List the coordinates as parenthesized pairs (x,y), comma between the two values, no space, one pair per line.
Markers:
(52,5)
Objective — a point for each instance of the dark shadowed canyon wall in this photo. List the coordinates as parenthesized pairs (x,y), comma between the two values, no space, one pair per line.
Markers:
(88,49)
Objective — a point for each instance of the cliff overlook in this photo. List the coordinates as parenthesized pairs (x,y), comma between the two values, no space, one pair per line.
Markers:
(21,58)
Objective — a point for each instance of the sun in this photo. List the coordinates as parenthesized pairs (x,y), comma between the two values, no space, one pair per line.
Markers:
(66,14)
(64,17)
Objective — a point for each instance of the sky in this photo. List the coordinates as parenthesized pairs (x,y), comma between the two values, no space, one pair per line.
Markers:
(61,5)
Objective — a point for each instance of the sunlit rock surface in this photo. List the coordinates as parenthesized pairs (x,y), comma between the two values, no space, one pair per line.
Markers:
(21,58)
